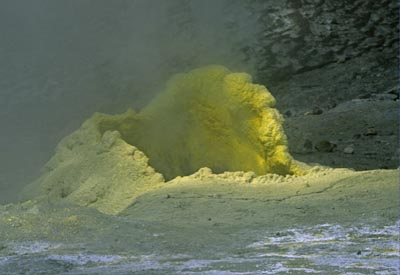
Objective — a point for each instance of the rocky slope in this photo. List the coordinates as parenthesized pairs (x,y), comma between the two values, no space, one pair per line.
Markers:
(303,35)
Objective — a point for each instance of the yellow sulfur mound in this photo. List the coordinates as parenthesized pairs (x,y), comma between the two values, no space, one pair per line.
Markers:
(209,117)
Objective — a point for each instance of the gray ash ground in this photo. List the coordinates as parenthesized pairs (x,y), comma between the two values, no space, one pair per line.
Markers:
(335,221)
(344,114)
(321,249)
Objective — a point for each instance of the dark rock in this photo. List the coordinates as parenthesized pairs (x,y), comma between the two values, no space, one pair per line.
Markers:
(288,113)
(385,96)
(325,146)
(371,131)
(331,105)
(395,92)
(316,111)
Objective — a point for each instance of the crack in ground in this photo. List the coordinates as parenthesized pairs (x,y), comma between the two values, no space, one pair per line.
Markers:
(217,197)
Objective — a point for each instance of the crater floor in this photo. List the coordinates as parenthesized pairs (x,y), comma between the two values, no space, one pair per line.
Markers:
(334,221)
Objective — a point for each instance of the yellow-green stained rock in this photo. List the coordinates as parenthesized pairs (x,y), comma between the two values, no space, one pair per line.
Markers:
(209,117)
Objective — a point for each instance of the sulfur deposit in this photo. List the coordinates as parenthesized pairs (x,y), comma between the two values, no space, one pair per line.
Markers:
(209,117)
